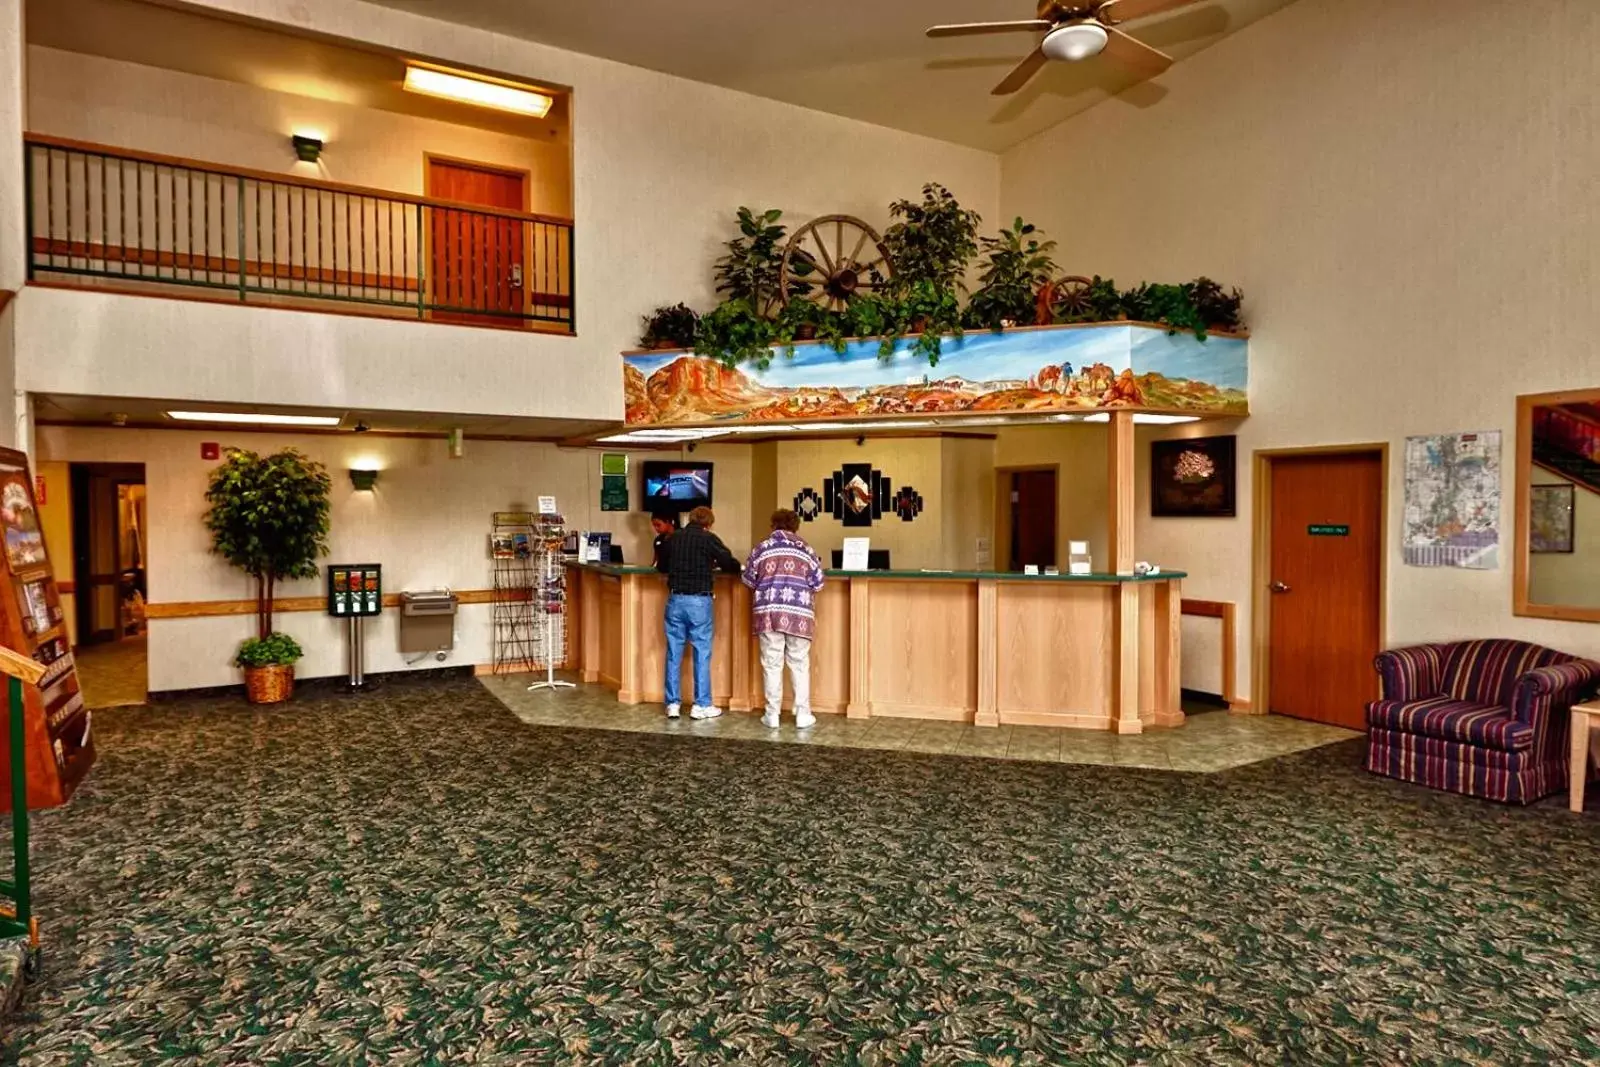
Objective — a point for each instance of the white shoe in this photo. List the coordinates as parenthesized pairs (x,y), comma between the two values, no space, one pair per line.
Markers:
(805,720)
(672,711)
(697,712)
(770,720)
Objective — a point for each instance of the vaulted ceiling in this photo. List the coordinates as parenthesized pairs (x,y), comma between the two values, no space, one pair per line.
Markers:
(865,59)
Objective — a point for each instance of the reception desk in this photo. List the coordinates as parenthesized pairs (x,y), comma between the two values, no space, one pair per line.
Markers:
(1093,652)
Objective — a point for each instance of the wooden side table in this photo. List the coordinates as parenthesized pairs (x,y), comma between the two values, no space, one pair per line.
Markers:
(1584,717)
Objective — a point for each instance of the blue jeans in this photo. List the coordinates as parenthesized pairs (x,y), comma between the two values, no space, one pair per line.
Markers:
(689,618)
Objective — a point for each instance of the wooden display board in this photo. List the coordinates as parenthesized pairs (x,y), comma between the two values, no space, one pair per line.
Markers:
(60,749)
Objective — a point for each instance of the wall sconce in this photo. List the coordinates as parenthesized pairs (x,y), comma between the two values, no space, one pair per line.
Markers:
(307,149)
(363,480)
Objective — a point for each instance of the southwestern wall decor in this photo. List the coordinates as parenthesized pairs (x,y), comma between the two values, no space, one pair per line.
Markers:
(1194,477)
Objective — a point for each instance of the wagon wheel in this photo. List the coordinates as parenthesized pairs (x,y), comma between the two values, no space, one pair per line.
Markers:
(831,259)
(1067,301)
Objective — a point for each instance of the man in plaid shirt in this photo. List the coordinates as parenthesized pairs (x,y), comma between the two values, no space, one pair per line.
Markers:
(785,574)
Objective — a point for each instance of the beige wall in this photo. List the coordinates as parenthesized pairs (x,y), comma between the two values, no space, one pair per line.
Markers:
(1569,578)
(914,461)
(1080,453)
(966,494)
(90,98)
(427,523)
(1407,199)
(55,521)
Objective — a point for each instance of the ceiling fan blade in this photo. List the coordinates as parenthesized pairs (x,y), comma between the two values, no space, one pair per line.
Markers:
(1135,54)
(1021,73)
(966,29)
(1114,12)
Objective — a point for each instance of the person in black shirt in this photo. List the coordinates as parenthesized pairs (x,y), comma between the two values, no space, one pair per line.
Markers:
(690,559)
(664,525)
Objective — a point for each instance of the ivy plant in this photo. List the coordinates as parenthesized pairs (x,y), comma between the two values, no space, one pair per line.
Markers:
(268,516)
(734,332)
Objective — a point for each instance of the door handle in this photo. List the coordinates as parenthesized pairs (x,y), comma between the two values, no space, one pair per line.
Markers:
(1278,587)
(516,275)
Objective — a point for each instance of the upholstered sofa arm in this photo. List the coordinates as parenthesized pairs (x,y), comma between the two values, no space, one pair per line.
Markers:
(1555,688)
(1410,673)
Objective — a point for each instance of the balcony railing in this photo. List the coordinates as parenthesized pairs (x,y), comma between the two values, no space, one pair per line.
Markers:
(113,216)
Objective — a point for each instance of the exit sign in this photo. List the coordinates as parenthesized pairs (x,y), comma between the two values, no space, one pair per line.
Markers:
(1326,529)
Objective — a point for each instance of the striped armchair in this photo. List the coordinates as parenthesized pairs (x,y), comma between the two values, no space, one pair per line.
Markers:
(1485,718)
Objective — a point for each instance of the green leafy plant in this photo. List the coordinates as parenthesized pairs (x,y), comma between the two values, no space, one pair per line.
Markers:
(268,516)
(750,268)
(871,315)
(735,333)
(803,320)
(273,650)
(1217,308)
(670,327)
(931,241)
(1170,305)
(1016,265)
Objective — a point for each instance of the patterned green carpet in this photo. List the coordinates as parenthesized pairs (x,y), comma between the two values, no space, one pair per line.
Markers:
(415,877)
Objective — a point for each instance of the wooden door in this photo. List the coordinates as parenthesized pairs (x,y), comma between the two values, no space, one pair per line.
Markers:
(1325,581)
(1033,519)
(477,260)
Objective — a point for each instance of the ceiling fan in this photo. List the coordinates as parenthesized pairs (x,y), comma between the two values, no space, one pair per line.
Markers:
(1074,31)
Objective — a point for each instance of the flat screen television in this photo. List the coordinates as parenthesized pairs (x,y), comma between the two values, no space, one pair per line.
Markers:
(676,485)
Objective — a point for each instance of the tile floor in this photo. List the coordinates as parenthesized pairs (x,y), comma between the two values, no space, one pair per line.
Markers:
(1209,741)
(113,674)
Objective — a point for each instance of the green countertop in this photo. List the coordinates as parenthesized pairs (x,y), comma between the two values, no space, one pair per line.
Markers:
(1005,576)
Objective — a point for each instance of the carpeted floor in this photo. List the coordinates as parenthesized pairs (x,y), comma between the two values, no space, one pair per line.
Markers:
(416,877)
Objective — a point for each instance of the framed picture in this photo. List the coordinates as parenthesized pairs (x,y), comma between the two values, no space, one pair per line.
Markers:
(1194,477)
(1550,518)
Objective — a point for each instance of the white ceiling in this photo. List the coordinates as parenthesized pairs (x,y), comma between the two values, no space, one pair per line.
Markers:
(156,36)
(865,59)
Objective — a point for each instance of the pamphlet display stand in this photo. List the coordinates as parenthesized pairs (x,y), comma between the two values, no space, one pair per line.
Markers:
(355,592)
(57,745)
(550,599)
(513,621)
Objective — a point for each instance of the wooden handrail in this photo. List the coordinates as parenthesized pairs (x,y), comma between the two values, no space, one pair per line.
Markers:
(14,664)
(43,140)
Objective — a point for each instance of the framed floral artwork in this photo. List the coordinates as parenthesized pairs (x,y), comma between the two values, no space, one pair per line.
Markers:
(1550,518)
(1194,477)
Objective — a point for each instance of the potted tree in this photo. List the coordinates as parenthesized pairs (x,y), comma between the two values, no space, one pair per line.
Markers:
(268,516)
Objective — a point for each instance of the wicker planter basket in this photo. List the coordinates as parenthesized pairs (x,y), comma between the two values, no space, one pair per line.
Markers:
(269,685)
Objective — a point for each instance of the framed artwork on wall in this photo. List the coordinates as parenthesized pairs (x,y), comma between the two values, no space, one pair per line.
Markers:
(1550,519)
(1194,477)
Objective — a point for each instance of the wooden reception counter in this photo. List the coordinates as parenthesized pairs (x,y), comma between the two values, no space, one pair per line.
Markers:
(1088,651)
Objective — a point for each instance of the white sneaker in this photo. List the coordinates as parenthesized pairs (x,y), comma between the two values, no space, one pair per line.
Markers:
(770,720)
(805,720)
(697,712)
(672,711)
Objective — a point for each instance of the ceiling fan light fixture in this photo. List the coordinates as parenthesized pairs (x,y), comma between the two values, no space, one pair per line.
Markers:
(1074,41)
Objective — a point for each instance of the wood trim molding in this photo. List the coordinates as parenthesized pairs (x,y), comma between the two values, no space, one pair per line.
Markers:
(6,296)
(205,609)
(113,152)
(1226,611)
(1521,563)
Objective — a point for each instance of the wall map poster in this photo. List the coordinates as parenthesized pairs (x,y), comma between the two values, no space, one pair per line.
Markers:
(1452,509)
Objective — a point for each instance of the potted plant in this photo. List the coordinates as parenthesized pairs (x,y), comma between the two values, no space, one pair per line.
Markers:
(1218,309)
(268,516)
(670,327)
(735,333)
(931,241)
(750,268)
(1017,264)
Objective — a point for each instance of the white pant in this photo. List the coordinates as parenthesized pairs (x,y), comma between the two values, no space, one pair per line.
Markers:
(776,650)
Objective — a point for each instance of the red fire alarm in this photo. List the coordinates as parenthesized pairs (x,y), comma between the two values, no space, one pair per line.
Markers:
(210,450)
(38,489)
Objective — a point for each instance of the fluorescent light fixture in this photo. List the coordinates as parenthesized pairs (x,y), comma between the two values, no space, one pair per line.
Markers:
(247,418)
(1164,420)
(480,91)
(660,437)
